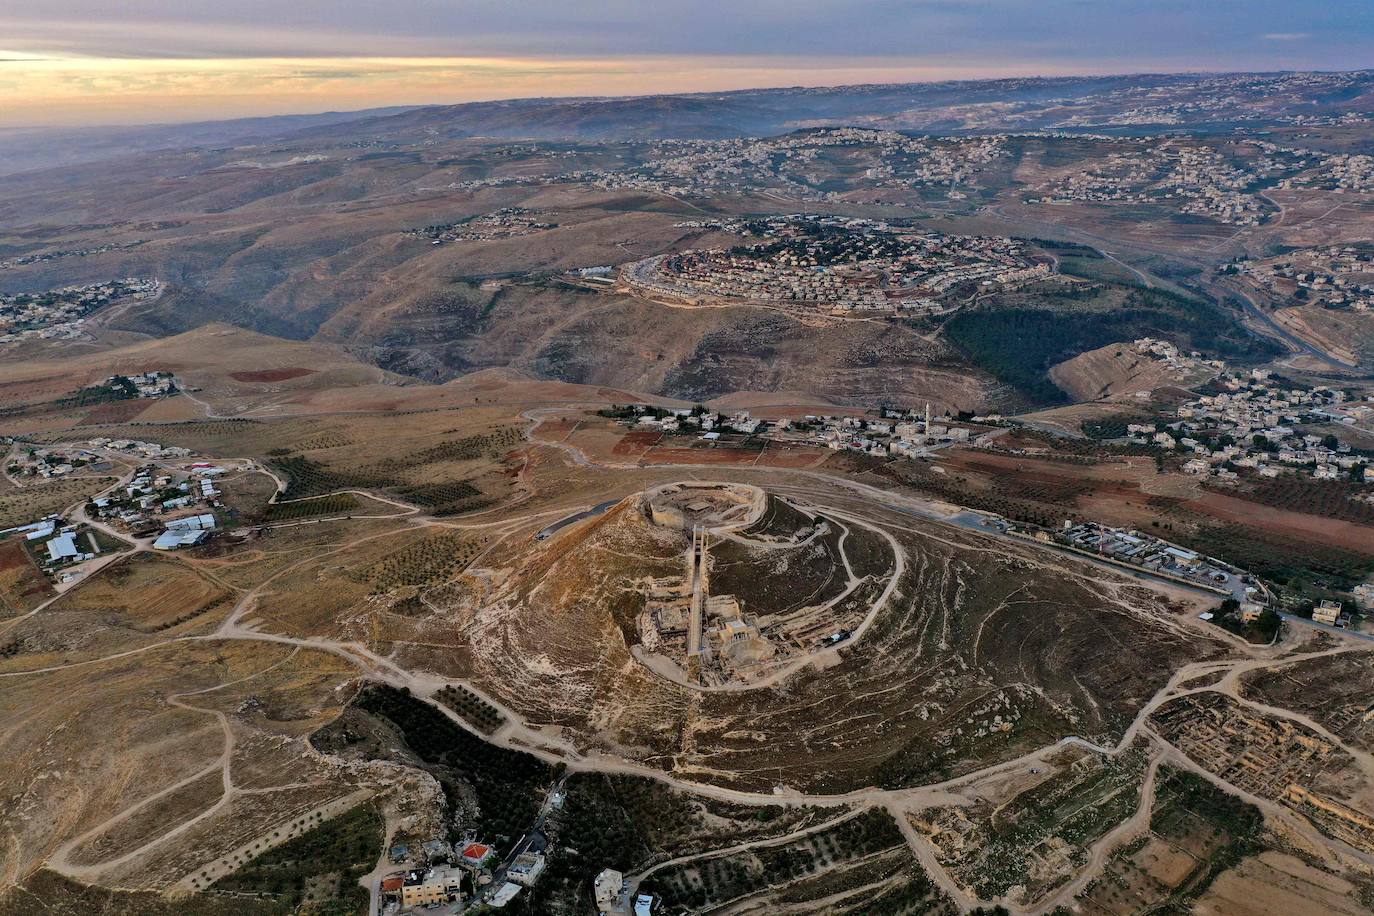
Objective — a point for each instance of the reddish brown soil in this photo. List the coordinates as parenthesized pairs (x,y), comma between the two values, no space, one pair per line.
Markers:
(792,456)
(637,443)
(661,455)
(116,412)
(1332,531)
(555,430)
(30,582)
(12,555)
(1113,495)
(270,375)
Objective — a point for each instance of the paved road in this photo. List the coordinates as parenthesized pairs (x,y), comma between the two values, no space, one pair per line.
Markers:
(573,519)
(1274,329)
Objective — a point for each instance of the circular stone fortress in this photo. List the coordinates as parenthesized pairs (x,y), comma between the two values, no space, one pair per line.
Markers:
(706,505)
(766,586)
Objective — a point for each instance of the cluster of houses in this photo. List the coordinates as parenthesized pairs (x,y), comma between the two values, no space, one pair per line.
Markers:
(464,875)
(1174,359)
(175,502)
(43,257)
(506,223)
(59,313)
(52,462)
(141,449)
(1198,180)
(154,384)
(902,433)
(55,461)
(1342,172)
(56,544)
(788,162)
(1332,276)
(1256,422)
(839,265)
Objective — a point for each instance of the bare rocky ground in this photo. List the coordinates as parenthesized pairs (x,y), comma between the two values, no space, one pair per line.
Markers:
(989,679)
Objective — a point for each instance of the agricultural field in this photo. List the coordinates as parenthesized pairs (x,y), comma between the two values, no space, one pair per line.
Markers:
(374,586)
(489,789)
(1326,498)
(863,851)
(132,603)
(22,584)
(448,478)
(631,823)
(473,710)
(29,503)
(1297,547)
(148,594)
(315,872)
(430,560)
(333,504)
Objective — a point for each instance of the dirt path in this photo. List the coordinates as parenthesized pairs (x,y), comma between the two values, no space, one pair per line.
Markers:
(516,734)
(1101,851)
(925,855)
(61,860)
(636,879)
(373,879)
(553,747)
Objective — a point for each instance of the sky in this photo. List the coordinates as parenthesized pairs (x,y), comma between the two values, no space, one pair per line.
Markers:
(72,62)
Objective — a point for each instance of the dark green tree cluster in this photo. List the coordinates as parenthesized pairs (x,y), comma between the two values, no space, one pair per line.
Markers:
(509,785)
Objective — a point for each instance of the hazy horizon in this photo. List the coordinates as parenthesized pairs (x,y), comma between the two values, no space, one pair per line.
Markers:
(895,76)
(155,62)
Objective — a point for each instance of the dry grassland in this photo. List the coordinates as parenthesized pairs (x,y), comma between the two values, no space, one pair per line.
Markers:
(30,503)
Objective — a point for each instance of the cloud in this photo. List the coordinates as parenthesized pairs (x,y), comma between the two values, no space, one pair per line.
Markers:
(981,30)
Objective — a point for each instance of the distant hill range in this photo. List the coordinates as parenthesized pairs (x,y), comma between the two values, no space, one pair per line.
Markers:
(1116,104)
(1111,103)
(23,149)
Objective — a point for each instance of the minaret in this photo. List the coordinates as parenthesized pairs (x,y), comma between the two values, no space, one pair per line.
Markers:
(927,430)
